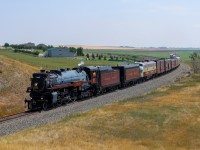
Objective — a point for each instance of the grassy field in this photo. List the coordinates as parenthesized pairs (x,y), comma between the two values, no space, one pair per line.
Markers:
(165,54)
(52,63)
(167,118)
(14,79)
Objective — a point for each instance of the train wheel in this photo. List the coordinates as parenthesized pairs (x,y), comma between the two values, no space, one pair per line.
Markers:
(30,106)
(59,103)
(90,94)
(74,98)
(54,105)
(69,100)
(44,106)
(64,102)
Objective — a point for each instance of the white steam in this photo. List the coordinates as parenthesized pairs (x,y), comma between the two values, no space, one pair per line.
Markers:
(81,63)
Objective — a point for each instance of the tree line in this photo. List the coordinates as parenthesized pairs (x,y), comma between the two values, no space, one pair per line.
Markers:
(78,51)
(111,57)
(28,46)
(35,53)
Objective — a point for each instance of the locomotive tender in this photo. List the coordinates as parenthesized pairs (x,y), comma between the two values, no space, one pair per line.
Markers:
(62,86)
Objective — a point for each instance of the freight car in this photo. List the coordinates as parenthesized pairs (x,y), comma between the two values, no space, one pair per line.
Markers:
(129,74)
(167,65)
(160,66)
(102,78)
(58,87)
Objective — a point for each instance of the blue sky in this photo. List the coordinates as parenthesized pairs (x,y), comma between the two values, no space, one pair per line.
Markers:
(139,23)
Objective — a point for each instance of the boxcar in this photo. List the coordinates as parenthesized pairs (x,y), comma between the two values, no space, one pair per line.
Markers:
(177,62)
(173,63)
(102,77)
(160,66)
(167,65)
(108,77)
(129,74)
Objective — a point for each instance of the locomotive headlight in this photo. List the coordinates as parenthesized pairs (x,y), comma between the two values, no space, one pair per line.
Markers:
(36,84)
(41,98)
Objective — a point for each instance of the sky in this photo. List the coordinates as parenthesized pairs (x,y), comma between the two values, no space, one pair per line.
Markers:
(138,23)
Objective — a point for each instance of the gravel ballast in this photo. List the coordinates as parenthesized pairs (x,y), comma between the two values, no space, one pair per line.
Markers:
(57,114)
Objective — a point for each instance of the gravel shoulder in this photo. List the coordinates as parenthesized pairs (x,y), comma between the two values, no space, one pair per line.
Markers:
(57,114)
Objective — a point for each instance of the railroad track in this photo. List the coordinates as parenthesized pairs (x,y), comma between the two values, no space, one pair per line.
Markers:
(14,116)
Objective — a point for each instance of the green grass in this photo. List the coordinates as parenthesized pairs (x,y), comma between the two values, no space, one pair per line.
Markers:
(53,63)
(150,114)
(180,84)
(184,54)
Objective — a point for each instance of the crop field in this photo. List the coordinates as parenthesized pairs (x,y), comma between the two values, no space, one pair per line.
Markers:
(167,118)
(184,54)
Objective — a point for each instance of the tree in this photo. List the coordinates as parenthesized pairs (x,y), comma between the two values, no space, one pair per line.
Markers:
(50,46)
(42,46)
(80,51)
(111,57)
(87,56)
(93,57)
(72,49)
(6,45)
(195,58)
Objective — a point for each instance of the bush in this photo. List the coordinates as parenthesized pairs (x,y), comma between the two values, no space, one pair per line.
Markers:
(27,52)
(36,53)
(195,60)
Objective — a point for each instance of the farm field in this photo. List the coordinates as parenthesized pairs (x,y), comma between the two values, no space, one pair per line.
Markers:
(184,54)
(167,118)
(52,63)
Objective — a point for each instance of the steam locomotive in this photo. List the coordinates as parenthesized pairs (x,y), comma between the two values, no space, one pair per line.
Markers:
(57,87)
